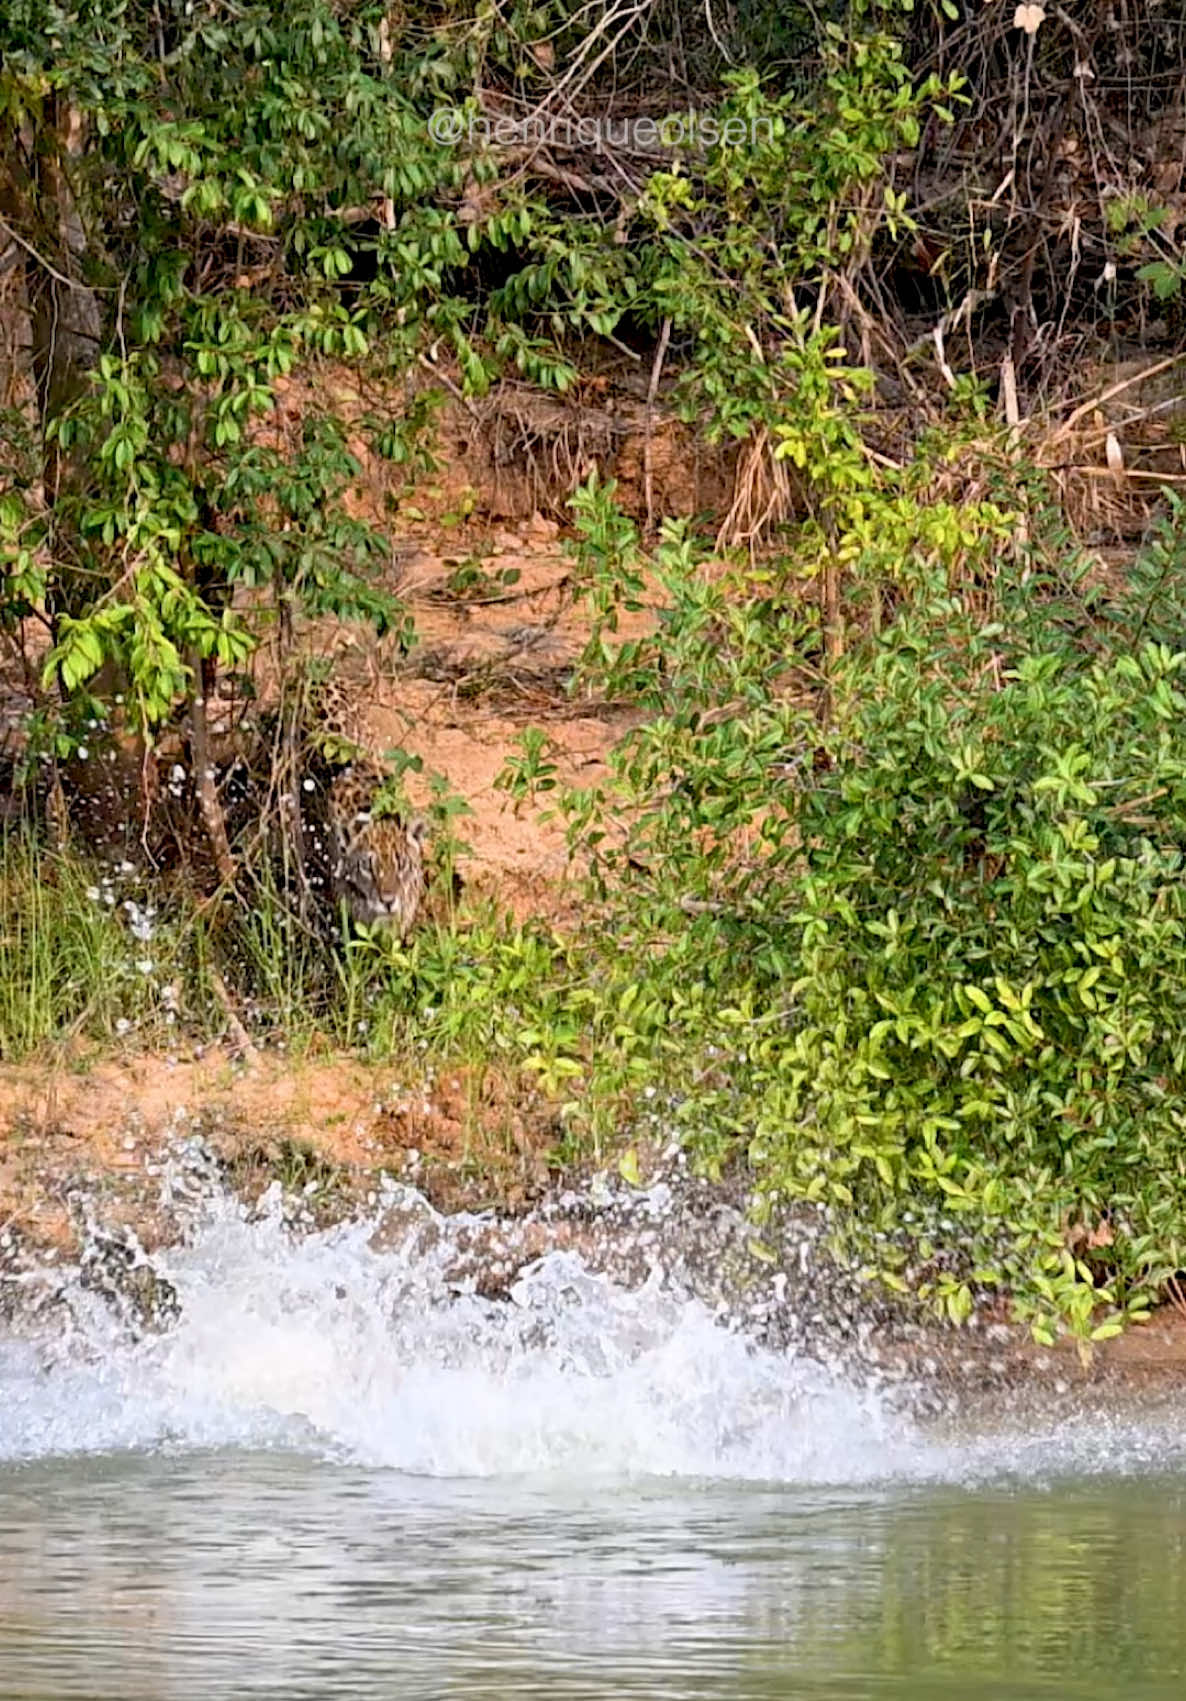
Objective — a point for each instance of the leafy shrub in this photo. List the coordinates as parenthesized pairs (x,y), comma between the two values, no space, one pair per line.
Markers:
(986,916)
(924,959)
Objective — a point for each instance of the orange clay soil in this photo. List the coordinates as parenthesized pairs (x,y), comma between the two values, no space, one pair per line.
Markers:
(483,671)
(103,1126)
(497,640)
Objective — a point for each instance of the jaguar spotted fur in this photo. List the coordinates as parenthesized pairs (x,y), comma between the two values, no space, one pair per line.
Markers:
(374,858)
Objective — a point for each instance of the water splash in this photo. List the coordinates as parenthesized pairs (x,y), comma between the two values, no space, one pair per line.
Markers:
(379,1341)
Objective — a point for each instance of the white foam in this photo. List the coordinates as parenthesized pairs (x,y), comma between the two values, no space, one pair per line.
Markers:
(320,1341)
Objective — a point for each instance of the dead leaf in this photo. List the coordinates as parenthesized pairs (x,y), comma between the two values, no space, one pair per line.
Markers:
(1029,18)
(1085,1237)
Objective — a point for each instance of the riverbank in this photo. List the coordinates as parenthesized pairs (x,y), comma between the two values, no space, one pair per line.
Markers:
(89,1155)
(857,982)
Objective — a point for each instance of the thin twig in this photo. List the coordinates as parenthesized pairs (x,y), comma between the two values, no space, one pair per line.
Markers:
(652,392)
(1117,389)
(70,283)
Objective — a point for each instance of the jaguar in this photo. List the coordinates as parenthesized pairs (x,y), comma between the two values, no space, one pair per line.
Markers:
(373,857)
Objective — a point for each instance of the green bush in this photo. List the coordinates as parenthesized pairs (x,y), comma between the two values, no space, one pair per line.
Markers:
(986,915)
(924,959)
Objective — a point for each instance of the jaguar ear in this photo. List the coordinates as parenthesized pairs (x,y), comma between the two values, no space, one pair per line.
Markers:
(417,829)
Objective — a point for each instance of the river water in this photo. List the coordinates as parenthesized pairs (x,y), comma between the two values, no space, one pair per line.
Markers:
(342,1473)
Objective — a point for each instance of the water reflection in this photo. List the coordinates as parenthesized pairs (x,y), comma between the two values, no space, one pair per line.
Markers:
(228,1574)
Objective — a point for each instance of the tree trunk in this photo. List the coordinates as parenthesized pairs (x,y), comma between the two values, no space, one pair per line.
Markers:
(38,203)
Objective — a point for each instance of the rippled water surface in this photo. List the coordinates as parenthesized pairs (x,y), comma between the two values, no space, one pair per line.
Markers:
(236,1574)
(343,1472)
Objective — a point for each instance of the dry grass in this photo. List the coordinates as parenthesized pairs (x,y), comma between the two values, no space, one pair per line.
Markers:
(763,496)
